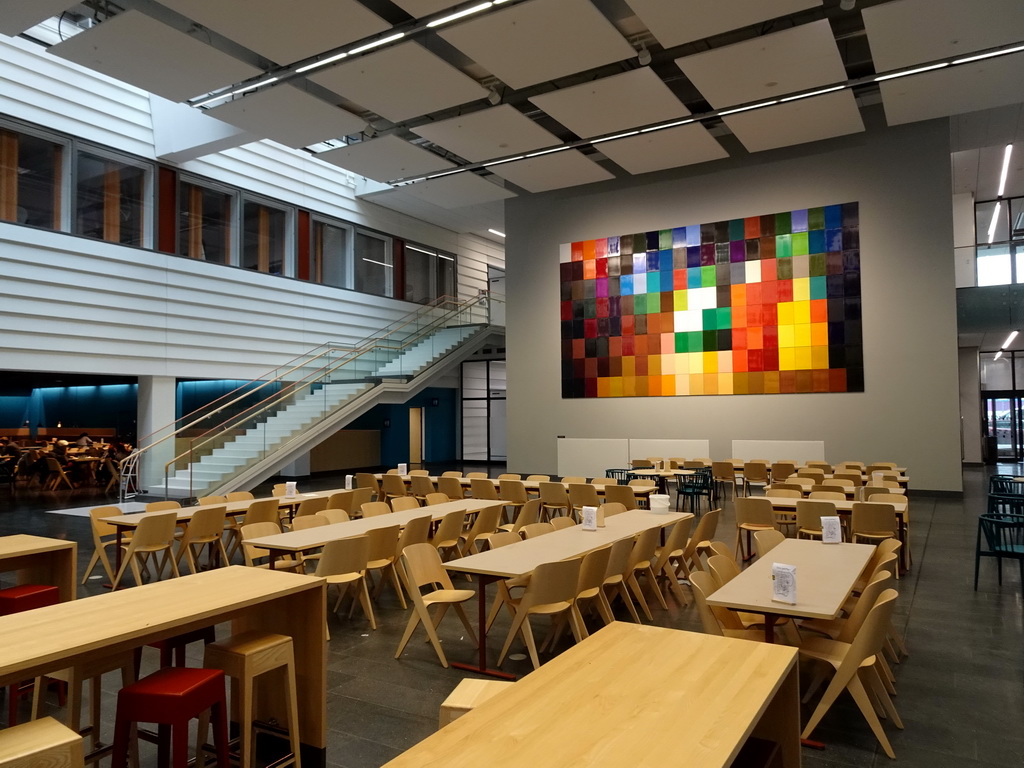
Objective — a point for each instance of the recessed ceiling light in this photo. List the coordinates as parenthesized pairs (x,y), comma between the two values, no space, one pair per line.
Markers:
(496,232)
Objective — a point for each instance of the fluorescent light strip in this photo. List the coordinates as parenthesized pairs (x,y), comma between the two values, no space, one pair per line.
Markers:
(547,151)
(446,173)
(376,43)
(421,250)
(617,136)
(243,89)
(323,62)
(911,72)
(666,125)
(813,93)
(496,232)
(1006,169)
(988,55)
(1009,339)
(446,258)
(381,263)
(992,225)
(744,109)
(500,162)
(460,14)
(998,355)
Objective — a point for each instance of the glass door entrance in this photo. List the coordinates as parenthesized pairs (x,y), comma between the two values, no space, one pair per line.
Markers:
(1004,426)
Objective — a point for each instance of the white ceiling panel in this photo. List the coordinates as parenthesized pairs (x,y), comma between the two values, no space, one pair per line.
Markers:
(540,40)
(668,148)
(401,82)
(909,32)
(284,32)
(764,67)
(674,22)
(488,133)
(797,122)
(17,15)
(966,88)
(420,8)
(289,116)
(458,191)
(568,168)
(637,97)
(385,159)
(147,54)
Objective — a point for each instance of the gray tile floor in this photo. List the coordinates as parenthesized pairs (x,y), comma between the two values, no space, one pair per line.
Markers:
(961,691)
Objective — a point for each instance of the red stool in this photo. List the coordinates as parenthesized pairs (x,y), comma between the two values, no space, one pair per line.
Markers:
(171,697)
(24,597)
(172,650)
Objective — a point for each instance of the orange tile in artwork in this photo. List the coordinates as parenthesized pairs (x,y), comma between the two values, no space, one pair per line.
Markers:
(696,383)
(739,316)
(629,386)
(725,383)
(589,251)
(653,386)
(819,358)
(739,360)
(654,365)
(710,383)
(589,269)
(668,385)
(604,387)
(628,368)
(642,389)
(577,251)
(752,227)
(819,311)
(771,382)
(739,383)
(819,335)
(738,293)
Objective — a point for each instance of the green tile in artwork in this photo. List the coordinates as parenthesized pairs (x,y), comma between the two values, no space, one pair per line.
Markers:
(707,277)
(799,243)
(590,308)
(819,287)
(679,300)
(694,341)
(817,264)
(653,302)
(784,245)
(654,282)
(681,342)
(783,223)
(710,321)
(665,238)
(724,318)
(815,218)
(710,340)
(736,229)
(784,269)
(640,242)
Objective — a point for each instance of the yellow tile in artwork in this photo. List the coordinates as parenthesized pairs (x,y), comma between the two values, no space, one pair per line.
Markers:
(710,362)
(785,310)
(683,384)
(819,358)
(725,383)
(787,359)
(724,362)
(604,387)
(787,336)
(615,386)
(711,384)
(680,364)
(628,386)
(695,363)
(801,289)
(802,335)
(801,312)
(628,367)
(803,358)
(819,334)
(679,300)
(696,383)
(654,365)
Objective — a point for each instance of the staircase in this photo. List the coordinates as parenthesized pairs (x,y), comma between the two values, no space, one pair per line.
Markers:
(311,399)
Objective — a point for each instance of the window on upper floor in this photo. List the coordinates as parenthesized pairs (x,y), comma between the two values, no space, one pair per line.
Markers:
(113,198)
(205,219)
(265,237)
(374,264)
(429,274)
(32,179)
(330,256)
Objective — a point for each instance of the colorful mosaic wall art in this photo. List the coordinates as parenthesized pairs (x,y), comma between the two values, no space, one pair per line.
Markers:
(763,305)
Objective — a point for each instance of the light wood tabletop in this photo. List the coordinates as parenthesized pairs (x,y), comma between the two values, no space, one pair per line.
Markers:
(630,695)
(530,485)
(825,575)
(41,560)
(842,505)
(233,508)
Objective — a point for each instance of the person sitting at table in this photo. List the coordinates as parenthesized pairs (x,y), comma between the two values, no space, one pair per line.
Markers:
(9,448)
(84,441)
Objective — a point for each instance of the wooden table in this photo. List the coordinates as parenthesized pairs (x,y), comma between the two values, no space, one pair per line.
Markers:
(312,538)
(39,560)
(662,476)
(630,695)
(60,635)
(531,486)
(825,575)
(523,557)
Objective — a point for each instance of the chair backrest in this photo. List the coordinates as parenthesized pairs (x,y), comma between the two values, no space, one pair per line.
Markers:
(765,541)
(451,473)
(538,478)
(642,482)
(827,495)
(707,525)
(206,524)
(857,465)
(342,500)
(562,521)
(675,542)
(618,560)
(552,583)
(870,636)
(334,515)
(783,469)
(784,493)
(160,506)
(209,501)
(641,463)
(592,570)
(476,475)
(888,498)
(311,506)
(483,488)
(367,480)
(374,508)
(503,539)
(416,531)
(510,476)
(854,477)
(839,483)
(99,528)
(432,499)
(451,487)
(881,466)
(154,531)
(824,466)
(879,582)
(514,491)
(809,513)
(310,521)
(755,472)
(703,586)
(604,481)
(450,528)
(415,472)
(536,529)
(256,531)
(393,485)
(344,556)
(529,513)
(573,479)
(723,471)
(621,494)
(421,485)
(383,542)
(421,565)
(697,463)
(240,496)
(280,489)
(403,503)
(583,495)
(359,497)
(723,568)
(754,510)
(486,522)
(816,474)
(643,548)
(611,508)
(553,495)
(263,511)
(1003,533)
(872,517)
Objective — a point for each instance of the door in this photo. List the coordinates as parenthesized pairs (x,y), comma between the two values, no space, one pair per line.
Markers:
(416,436)
(1004,427)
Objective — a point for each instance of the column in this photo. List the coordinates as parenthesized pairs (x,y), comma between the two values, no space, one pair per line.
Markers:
(156,420)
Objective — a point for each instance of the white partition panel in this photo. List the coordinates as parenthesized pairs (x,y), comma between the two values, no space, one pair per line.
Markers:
(666,449)
(583,456)
(779,450)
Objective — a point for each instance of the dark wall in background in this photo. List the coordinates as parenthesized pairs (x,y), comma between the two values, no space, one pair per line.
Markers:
(439,442)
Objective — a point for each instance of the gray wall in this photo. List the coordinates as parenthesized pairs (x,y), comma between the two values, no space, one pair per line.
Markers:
(909,411)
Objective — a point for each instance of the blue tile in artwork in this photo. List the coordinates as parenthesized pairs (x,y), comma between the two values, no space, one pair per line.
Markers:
(833,216)
(640,283)
(653,259)
(800,220)
(816,241)
(626,285)
(819,287)
(693,278)
(665,261)
(639,263)
(613,246)
(833,240)
(693,256)
(679,237)
(693,234)
(652,282)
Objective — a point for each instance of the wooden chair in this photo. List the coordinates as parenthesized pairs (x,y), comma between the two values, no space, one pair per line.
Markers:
(780,470)
(253,553)
(551,591)
(55,475)
(368,480)
(854,477)
(420,486)
(752,514)
(823,495)
(573,479)
(262,511)
(610,508)
(311,506)
(715,620)
(553,497)
(422,566)
(602,481)
(642,564)
(590,587)
(476,475)
(374,508)
(872,522)
(814,473)
(416,531)
(856,671)
(279,489)
(765,541)
(314,521)
(529,513)
(582,495)
(114,471)
(880,466)
(333,516)
(342,500)
(723,474)
(433,499)
(449,532)
(808,517)
(838,484)
(533,530)
(421,472)
(483,488)
(621,494)
(382,546)
(451,473)
(162,506)
(614,583)
(539,478)
(239,496)
(393,487)
(665,571)
(513,493)
(702,536)
(205,529)
(824,466)
(641,464)
(510,476)
(404,503)
(209,501)
(99,543)
(562,521)
(359,497)
(451,487)
(153,535)
(483,528)
(755,475)
(343,565)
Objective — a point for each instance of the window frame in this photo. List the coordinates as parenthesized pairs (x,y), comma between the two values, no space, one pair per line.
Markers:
(289,262)
(66,187)
(349,255)
(234,216)
(149,191)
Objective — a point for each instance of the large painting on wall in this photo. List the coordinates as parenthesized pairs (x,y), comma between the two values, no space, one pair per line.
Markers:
(763,305)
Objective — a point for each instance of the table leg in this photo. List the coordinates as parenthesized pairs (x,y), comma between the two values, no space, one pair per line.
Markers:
(481,667)
(769,627)
(120,553)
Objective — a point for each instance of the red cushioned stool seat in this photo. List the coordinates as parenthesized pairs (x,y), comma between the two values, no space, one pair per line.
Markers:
(27,597)
(171,697)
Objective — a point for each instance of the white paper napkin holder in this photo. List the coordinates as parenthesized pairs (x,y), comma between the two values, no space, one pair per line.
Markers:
(589,518)
(784,583)
(290,488)
(403,469)
(348,482)
(831,530)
